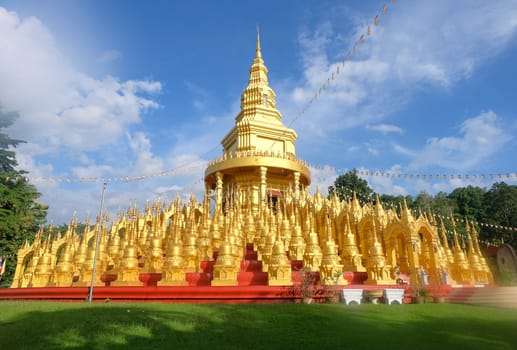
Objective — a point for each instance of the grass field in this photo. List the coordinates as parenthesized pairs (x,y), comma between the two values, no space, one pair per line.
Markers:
(50,325)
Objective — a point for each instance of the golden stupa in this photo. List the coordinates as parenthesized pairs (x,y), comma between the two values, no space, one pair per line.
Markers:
(256,203)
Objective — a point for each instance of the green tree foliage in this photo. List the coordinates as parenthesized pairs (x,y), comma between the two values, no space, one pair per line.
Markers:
(20,212)
(501,209)
(470,202)
(442,204)
(423,202)
(345,185)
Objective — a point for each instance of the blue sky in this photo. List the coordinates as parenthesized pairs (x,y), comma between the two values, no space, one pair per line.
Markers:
(117,88)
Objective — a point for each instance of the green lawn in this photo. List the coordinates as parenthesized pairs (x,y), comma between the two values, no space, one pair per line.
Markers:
(48,325)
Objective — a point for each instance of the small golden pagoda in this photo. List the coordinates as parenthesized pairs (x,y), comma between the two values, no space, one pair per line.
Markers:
(257,224)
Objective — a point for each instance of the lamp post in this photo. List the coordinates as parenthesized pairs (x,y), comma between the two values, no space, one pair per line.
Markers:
(90,292)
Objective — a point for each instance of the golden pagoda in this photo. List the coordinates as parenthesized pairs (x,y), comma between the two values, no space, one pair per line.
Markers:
(259,156)
(257,224)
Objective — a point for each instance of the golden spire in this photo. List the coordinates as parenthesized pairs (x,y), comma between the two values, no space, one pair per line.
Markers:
(258,62)
(258,53)
(457,246)
(258,93)
(444,236)
(470,246)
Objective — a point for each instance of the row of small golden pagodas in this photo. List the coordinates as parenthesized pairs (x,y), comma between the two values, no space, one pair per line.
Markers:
(328,236)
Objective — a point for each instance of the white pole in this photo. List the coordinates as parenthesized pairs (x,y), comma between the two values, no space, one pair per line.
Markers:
(101,209)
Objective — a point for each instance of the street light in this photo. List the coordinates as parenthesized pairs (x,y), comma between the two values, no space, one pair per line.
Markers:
(101,209)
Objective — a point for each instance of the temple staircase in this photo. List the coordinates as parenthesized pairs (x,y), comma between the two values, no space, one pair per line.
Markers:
(251,269)
(505,297)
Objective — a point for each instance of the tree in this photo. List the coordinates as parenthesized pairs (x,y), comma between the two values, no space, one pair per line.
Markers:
(390,201)
(20,213)
(442,204)
(501,204)
(423,203)
(345,185)
(470,202)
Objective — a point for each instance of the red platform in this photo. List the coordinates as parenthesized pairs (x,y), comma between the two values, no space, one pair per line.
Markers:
(246,294)
(182,294)
(252,287)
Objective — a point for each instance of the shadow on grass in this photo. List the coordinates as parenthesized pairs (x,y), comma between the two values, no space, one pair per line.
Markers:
(280,326)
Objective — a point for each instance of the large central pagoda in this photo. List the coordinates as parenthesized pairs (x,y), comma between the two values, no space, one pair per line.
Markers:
(258,161)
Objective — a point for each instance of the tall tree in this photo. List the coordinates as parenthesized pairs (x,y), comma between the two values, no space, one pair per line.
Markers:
(470,202)
(442,204)
(20,212)
(345,185)
(423,203)
(501,204)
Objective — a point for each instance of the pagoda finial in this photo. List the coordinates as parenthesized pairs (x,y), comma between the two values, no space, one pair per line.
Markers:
(258,52)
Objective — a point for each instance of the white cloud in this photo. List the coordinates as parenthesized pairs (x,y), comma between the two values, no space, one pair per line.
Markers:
(418,45)
(464,34)
(146,162)
(403,150)
(322,178)
(109,56)
(200,94)
(481,136)
(371,149)
(386,128)
(58,105)
(68,115)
